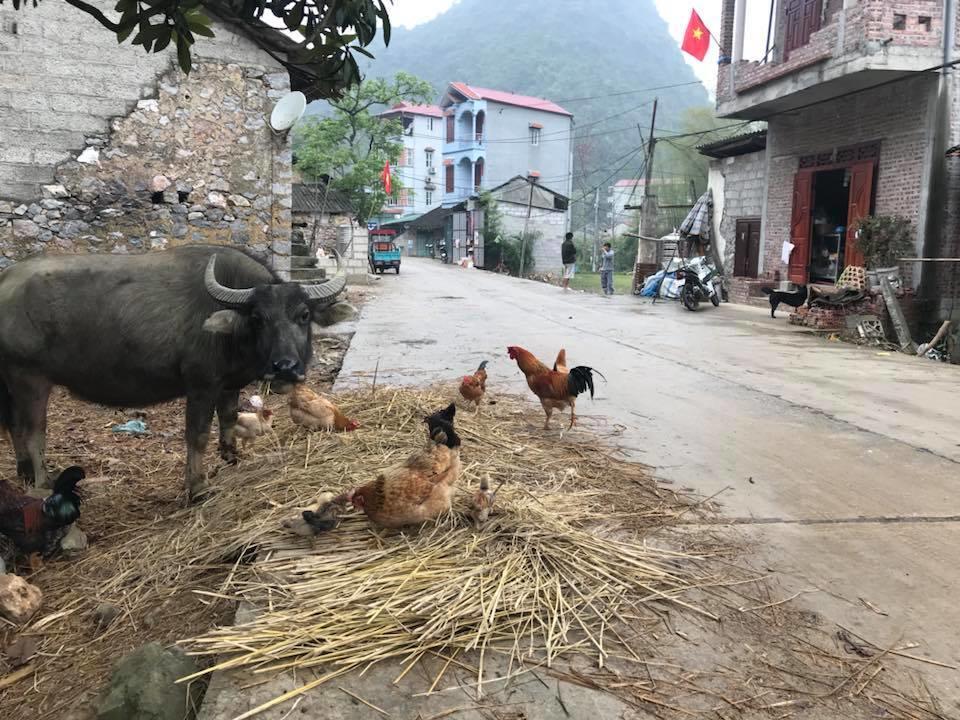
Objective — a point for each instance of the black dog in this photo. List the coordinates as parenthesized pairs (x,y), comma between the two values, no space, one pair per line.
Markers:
(793,299)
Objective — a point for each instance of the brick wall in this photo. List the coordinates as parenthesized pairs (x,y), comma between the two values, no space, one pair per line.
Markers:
(743,190)
(106,149)
(550,226)
(895,115)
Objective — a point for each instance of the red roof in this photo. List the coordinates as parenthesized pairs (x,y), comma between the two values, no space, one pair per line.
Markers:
(473,92)
(429,110)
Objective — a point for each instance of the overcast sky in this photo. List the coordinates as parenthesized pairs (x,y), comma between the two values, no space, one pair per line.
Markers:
(409,13)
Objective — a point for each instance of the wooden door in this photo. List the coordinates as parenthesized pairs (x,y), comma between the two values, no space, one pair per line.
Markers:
(860,205)
(451,120)
(449,178)
(802,19)
(800,226)
(746,259)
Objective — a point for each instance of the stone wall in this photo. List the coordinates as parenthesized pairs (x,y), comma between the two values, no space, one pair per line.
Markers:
(549,224)
(743,182)
(106,149)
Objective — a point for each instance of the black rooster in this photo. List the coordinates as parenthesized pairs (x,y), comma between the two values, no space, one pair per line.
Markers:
(37,526)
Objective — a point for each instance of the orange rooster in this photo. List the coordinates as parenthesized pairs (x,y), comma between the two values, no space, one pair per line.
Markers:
(474,386)
(315,412)
(420,489)
(557,389)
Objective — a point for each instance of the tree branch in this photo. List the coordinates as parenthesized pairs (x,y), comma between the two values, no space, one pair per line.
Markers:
(95,13)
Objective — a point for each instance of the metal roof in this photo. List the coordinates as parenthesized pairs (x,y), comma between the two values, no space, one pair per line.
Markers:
(736,145)
(316,198)
(472,92)
(406,109)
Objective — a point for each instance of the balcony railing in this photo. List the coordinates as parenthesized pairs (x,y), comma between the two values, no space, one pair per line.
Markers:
(467,143)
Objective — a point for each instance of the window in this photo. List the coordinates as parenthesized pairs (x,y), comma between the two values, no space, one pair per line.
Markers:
(404,157)
(404,198)
(534,136)
(449,185)
(428,197)
(899,21)
(925,22)
(451,126)
(430,124)
(429,154)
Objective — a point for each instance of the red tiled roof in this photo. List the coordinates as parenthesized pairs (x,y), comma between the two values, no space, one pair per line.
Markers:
(534,103)
(429,110)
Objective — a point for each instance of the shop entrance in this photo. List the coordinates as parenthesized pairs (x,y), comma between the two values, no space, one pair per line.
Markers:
(827,203)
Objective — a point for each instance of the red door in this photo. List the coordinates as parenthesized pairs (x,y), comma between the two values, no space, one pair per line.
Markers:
(448,171)
(861,203)
(802,20)
(451,120)
(800,226)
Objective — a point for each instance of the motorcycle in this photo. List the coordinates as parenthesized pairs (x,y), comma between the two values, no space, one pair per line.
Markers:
(443,253)
(696,282)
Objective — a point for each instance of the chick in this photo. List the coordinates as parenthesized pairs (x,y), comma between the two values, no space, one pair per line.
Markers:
(319,517)
(483,502)
(251,425)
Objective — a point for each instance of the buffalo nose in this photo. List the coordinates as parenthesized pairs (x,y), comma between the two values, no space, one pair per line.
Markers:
(286,365)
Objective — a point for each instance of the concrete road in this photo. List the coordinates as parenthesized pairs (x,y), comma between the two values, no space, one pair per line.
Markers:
(840,462)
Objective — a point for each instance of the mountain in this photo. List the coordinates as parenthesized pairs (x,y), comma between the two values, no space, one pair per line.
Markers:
(563,50)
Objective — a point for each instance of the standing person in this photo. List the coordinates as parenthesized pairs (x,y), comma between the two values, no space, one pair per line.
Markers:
(568,254)
(606,269)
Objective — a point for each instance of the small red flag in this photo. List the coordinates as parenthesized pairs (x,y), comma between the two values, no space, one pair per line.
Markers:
(696,40)
(385,176)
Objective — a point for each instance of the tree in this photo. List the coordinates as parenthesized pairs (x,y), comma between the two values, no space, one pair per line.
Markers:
(329,31)
(352,145)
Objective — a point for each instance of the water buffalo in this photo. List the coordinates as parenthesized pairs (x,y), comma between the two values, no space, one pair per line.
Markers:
(198,321)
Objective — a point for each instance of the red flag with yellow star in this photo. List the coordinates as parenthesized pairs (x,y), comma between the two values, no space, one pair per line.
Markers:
(696,41)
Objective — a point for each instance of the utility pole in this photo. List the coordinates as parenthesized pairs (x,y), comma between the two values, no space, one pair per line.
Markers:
(647,251)
(526,223)
(596,228)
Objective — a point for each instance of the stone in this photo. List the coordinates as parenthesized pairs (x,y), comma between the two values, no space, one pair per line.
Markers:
(144,686)
(179,230)
(90,156)
(54,191)
(104,614)
(73,228)
(6,207)
(34,210)
(214,214)
(50,204)
(158,243)
(170,197)
(149,105)
(159,183)
(20,210)
(239,201)
(74,541)
(53,215)
(19,600)
(195,216)
(25,229)
(216,200)
(90,189)
(164,121)
(3,564)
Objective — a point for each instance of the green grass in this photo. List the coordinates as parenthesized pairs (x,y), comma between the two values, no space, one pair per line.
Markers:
(590,282)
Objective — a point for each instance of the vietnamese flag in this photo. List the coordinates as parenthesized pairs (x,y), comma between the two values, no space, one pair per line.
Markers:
(385,176)
(696,41)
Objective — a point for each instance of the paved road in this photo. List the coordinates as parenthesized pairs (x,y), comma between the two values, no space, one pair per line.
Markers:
(841,461)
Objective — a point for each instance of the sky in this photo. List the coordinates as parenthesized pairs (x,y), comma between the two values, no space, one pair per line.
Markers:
(410,13)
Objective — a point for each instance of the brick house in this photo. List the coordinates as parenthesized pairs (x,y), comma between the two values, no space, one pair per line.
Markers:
(104,148)
(859,114)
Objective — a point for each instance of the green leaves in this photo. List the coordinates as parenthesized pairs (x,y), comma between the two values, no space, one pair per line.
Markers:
(331,31)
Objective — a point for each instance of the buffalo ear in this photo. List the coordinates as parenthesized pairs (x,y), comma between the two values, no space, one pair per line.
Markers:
(222,322)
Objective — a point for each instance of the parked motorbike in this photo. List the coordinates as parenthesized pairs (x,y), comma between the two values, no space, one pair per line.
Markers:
(443,253)
(697,282)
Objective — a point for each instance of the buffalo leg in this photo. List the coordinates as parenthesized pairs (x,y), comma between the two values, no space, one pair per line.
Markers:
(29,432)
(199,416)
(227,405)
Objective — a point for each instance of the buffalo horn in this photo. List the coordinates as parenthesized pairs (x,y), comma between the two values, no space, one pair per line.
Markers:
(230,296)
(331,288)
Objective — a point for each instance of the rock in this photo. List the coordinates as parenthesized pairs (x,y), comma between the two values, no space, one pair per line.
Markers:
(148,105)
(20,210)
(73,228)
(171,197)
(34,210)
(3,564)
(104,614)
(239,201)
(143,686)
(74,541)
(90,189)
(25,228)
(214,214)
(195,216)
(158,243)
(159,183)
(51,204)
(90,156)
(217,200)
(21,650)
(19,600)
(5,207)
(54,191)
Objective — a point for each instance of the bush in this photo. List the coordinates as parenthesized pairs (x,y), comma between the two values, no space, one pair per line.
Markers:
(884,239)
(507,251)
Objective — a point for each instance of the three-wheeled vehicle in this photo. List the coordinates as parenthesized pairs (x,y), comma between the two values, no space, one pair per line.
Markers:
(383,253)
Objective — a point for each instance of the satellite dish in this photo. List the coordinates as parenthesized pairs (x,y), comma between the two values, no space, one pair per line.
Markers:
(287,111)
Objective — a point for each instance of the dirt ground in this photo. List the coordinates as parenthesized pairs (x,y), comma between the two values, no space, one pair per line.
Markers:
(134,485)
